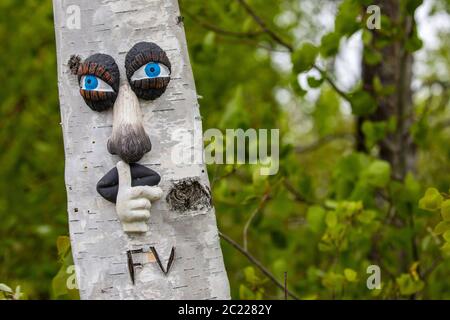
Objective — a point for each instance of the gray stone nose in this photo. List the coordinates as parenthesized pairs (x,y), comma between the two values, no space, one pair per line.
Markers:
(130,144)
(129,139)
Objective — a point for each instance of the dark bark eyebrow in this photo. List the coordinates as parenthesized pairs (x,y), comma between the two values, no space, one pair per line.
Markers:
(102,66)
(142,53)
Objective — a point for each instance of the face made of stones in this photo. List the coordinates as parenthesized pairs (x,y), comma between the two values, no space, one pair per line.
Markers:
(148,72)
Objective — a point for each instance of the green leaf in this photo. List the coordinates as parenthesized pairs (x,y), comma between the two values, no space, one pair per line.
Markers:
(326,112)
(367,216)
(329,45)
(372,56)
(362,103)
(279,266)
(412,188)
(412,5)
(247,25)
(347,174)
(258,179)
(245,293)
(367,37)
(373,132)
(431,201)
(235,115)
(380,89)
(331,219)
(442,227)
(413,43)
(325,247)
(313,82)
(347,17)
(250,275)
(426,242)
(445,210)
(295,85)
(333,280)
(316,218)
(446,235)
(350,275)
(378,174)
(408,285)
(304,57)
(59,284)
(63,245)
(377,85)
(208,41)
(446,248)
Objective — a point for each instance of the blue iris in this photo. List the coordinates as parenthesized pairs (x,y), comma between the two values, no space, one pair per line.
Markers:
(90,82)
(152,70)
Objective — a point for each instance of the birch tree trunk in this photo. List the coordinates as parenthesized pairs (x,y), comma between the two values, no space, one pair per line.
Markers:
(99,245)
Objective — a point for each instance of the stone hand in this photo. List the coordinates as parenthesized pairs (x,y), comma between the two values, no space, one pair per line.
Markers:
(133,203)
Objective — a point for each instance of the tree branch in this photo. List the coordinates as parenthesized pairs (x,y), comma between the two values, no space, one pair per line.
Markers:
(269,32)
(298,197)
(250,42)
(258,264)
(330,81)
(443,124)
(219,30)
(262,203)
(226,175)
(324,140)
(264,26)
(425,273)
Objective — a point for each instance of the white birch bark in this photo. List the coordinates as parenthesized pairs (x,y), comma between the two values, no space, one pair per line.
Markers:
(98,243)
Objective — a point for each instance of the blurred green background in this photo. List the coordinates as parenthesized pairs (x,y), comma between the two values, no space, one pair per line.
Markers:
(357,185)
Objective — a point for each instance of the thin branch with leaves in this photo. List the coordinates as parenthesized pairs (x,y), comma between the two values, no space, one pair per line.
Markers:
(258,264)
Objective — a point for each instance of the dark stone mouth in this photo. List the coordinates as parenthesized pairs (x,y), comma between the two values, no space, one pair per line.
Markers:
(108,186)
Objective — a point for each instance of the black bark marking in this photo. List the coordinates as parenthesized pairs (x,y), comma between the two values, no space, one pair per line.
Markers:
(189,194)
(169,263)
(132,264)
(74,63)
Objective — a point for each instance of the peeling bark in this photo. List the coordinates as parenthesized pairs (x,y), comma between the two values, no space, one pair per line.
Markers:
(99,245)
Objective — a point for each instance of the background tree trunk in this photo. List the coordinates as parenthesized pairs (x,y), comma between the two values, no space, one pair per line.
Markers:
(395,70)
(98,243)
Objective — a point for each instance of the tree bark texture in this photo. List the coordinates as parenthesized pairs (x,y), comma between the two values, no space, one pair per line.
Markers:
(99,244)
(395,70)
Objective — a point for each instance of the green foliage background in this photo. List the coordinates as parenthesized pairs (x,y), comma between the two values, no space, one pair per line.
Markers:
(328,214)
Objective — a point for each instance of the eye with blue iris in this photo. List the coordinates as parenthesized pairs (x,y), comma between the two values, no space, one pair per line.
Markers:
(93,83)
(151,70)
